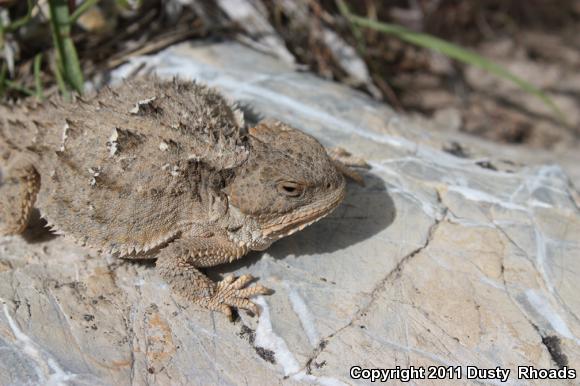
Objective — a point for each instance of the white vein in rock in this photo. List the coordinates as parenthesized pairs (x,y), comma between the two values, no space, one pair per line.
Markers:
(56,375)
(268,339)
(544,308)
(303,312)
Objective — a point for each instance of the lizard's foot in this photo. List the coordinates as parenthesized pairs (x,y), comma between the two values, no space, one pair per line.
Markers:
(344,162)
(176,264)
(232,292)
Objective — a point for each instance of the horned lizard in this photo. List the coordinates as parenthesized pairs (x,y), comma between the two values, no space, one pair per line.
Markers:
(165,170)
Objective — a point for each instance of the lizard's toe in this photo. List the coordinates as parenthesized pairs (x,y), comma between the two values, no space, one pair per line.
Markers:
(244,304)
(227,311)
(228,279)
(234,293)
(243,281)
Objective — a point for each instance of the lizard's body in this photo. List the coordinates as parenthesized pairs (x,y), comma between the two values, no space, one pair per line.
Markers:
(164,170)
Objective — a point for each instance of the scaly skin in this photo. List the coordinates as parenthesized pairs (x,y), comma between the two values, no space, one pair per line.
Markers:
(165,170)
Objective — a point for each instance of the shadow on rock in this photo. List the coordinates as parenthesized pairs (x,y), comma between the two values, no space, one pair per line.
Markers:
(364,212)
(37,231)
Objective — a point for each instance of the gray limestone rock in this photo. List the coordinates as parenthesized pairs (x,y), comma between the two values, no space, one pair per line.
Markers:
(457,252)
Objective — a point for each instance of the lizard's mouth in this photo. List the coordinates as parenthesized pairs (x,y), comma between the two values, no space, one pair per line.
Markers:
(292,223)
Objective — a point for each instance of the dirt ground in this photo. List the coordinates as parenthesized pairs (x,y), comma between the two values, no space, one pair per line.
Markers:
(536,40)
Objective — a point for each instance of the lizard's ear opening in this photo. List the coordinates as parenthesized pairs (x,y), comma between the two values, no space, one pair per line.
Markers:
(268,130)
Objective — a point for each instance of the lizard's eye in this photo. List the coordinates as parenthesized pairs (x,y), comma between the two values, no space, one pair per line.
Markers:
(290,188)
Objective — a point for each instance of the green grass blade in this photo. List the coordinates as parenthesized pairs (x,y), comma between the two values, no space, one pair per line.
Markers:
(74,73)
(3,73)
(58,71)
(15,86)
(129,5)
(1,34)
(451,50)
(81,9)
(23,20)
(67,58)
(37,74)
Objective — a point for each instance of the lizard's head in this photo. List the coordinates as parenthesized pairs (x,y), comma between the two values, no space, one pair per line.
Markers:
(287,183)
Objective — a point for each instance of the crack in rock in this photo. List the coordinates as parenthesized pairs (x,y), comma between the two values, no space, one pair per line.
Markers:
(552,343)
(381,285)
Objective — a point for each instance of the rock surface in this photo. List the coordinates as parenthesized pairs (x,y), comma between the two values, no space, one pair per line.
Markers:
(453,254)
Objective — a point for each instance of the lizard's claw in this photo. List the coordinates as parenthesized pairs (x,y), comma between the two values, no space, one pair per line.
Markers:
(231,292)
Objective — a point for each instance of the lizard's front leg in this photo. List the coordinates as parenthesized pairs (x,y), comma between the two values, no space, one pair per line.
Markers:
(178,265)
(19,184)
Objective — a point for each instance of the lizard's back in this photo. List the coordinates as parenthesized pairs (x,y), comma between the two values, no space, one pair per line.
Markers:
(130,168)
